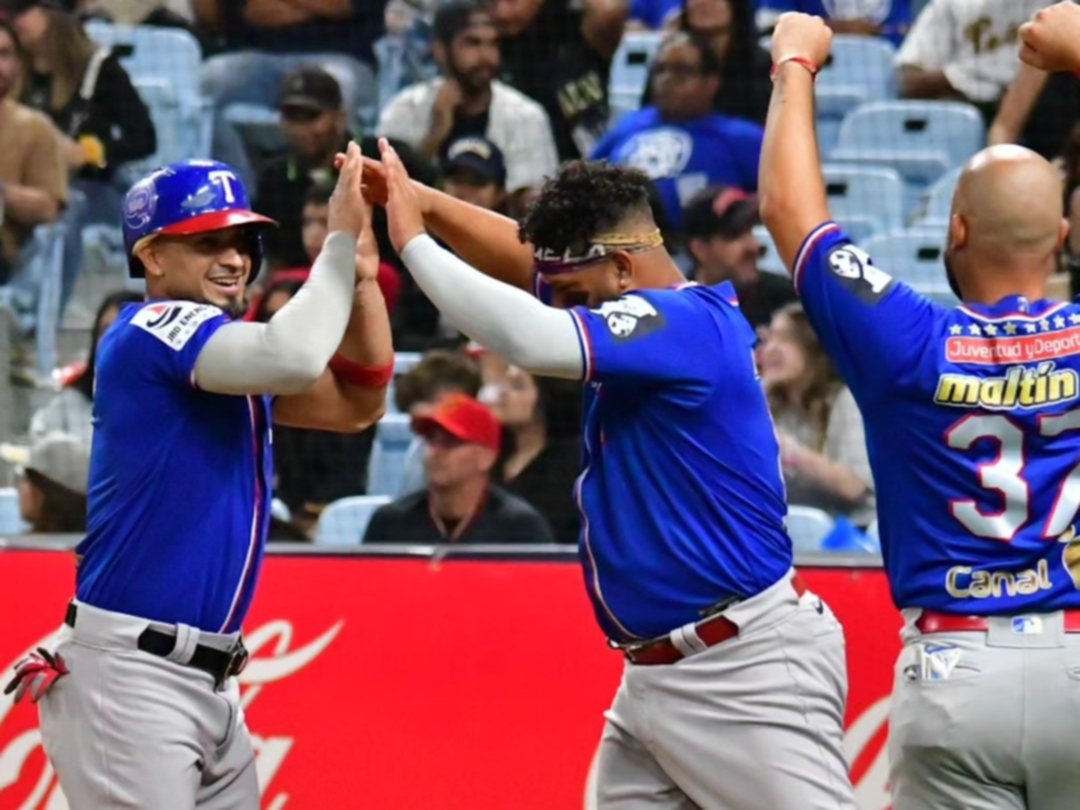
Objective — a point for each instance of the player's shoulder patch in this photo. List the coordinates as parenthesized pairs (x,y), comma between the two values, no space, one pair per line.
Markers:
(174,323)
(855,270)
(631,316)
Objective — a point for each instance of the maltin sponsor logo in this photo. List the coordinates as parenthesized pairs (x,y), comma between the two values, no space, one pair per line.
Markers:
(1020,387)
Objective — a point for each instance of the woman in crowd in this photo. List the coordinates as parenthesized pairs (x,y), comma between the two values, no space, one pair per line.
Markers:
(822,445)
(541,418)
(728,27)
(85,91)
(70,410)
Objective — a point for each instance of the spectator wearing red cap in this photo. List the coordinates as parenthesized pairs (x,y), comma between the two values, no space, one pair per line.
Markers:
(460,504)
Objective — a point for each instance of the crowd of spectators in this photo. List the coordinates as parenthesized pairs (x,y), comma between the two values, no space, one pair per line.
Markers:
(482,98)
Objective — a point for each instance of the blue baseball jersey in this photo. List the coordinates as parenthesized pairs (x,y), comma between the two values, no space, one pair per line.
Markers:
(682,158)
(894,16)
(972,428)
(180,479)
(681,493)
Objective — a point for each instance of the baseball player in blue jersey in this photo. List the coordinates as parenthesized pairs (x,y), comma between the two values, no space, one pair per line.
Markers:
(973,430)
(734,688)
(139,706)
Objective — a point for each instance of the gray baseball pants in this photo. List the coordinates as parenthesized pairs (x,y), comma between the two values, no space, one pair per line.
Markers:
(127,729)
(751,723)
(987,720)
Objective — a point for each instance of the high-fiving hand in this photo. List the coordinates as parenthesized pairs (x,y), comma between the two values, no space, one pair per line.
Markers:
(403,209)
(348,211)
(1051,41)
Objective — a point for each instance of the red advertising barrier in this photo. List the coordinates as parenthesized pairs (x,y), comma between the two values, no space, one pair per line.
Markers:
(400,683)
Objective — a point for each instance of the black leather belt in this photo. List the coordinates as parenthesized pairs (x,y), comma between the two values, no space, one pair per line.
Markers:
(217,663)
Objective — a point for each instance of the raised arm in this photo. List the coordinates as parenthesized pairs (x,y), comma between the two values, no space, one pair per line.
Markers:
(508,321)
(290,354)
(486,240)
(1012,116)
(1051,41)
(790,184)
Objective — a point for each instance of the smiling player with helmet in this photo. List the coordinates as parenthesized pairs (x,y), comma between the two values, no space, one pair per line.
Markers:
(139,706)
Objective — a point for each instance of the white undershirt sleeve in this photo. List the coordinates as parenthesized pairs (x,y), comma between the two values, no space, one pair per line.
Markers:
(290,352)
(504,319)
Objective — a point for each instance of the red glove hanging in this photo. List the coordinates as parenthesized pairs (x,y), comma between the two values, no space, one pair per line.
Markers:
(36,673)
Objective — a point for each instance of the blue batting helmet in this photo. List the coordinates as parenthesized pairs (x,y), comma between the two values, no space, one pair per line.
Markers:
(189,197)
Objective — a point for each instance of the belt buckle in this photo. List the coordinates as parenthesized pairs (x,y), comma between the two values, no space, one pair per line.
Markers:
(238,659)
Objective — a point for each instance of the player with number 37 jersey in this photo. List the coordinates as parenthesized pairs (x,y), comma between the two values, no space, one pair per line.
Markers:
(973,425)
(972,418)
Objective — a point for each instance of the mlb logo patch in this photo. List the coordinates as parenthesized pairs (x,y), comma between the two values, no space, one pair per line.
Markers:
(1027,625)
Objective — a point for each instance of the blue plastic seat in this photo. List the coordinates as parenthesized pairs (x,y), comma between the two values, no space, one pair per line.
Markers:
(344,521)
(860,69)
(870,195)
(393,435)
(630,70)
(11,522)
(808,527)
(164,66)
(922,140)
(937,207)
(915,256)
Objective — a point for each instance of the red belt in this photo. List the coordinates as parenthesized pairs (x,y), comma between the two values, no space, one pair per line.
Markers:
(933,622)
(712,631)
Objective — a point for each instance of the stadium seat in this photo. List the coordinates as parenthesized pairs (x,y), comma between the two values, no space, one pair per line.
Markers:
(344,522)
(938,205)
(865,199)
(859,69)
(920,139)
(164,65)
(915,256)
(808,526)
(11,522)
(403,364)
(769,260)
(630,70)
(259,127)
(393,435)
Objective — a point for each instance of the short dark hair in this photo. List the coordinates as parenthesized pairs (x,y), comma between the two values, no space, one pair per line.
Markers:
(454,17)
(584,199)
(438,370)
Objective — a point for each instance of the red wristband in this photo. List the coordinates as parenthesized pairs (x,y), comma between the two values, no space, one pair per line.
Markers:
(798,60)
(359,375)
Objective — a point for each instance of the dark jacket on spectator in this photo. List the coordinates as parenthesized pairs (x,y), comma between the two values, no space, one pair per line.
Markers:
(548,484)
(113,113)
(502,518)
(552,63)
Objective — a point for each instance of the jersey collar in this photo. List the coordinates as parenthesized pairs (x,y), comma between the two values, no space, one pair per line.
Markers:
(1012,306)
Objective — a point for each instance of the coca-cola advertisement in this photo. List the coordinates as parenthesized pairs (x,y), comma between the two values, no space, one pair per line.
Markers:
(416,682)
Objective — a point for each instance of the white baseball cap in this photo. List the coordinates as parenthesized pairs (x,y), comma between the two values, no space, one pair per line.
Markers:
(60,457)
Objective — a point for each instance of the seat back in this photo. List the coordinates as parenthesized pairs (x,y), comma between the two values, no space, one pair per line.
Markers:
(808,527)
(630,70)
(865,193)
(915,256)
(11,523)
(154,52)
(393,435)
(344,521)
(859,69)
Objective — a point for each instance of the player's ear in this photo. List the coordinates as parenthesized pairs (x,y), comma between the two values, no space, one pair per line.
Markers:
(147,253)
(958,231)
(624,270)
(1063,234)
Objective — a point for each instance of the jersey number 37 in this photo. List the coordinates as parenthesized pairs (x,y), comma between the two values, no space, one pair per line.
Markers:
(1005,474)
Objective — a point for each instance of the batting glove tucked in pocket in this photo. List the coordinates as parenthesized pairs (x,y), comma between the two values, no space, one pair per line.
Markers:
(36,673)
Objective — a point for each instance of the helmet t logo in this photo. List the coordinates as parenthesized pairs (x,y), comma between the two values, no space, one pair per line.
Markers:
(225,180)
